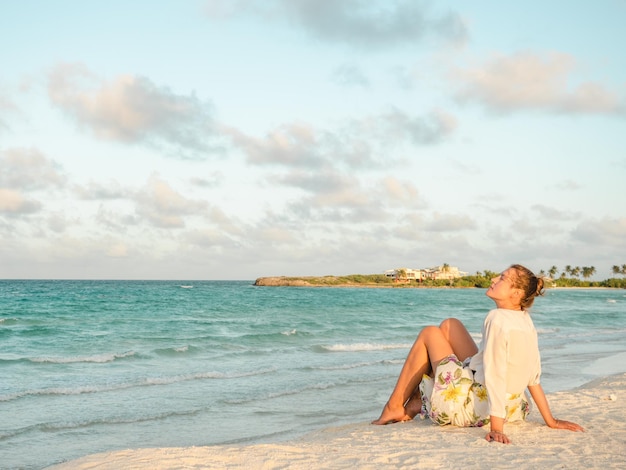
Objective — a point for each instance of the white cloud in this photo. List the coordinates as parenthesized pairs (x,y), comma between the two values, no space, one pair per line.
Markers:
(359,143)
(536,82)
(28,169)
(101,191)
(13,202)
(23,171)
(603,232)
(449,223)
(163,206)
(552,214)
(7,108)
(133,109)
(568,185)
(117,250)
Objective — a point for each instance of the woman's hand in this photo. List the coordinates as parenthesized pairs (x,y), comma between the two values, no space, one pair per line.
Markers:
(497,436)
(562,424)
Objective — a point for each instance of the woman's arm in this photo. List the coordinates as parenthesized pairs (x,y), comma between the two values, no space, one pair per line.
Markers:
(539,397)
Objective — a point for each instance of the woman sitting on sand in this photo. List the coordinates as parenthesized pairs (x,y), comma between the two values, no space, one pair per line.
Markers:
(472,386)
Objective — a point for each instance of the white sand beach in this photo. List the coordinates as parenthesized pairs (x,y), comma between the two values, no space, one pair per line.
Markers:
(599,406)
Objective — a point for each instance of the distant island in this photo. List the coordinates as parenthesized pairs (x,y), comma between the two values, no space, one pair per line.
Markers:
(478,280)
(354,280)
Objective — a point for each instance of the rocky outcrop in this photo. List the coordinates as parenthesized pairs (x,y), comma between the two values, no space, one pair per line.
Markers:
(280,281)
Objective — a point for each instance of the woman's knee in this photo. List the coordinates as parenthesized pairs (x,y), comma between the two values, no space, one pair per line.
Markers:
(430,331)
(450,323)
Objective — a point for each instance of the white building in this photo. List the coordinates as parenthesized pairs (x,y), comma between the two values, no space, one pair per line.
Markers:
(438,272)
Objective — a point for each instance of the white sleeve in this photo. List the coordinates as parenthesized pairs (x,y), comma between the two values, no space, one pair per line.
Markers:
(495,342)
(536,376)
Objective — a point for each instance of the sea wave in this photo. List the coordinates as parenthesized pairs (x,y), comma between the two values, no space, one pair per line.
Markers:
(175,351)
(149,381)
(282,393)
(73,425)
(357,365)
(357,347)
(98,358)
(324,385)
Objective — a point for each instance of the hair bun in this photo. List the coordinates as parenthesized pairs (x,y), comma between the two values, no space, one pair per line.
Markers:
(540,286)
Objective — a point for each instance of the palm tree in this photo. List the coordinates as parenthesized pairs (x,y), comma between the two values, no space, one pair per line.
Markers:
(568,269)
(588,271)
(552,271)
(576,271)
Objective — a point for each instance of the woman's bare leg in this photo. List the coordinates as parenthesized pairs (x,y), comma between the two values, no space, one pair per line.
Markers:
(463,346)
(459,338)
(428,350)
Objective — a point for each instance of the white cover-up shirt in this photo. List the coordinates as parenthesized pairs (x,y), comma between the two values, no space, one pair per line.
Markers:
(508,359)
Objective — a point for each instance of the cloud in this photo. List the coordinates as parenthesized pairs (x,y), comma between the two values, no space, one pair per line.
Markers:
(603,232)
(356,23)
(7,107)
(568,185)
(98,191)
(213,180)
(12,202)
(552,214)
(28,169)
(338,198)
(57,222)
(527,81)
(425,130)
(404,77)
(350,75)
(294,145)
(449,223)
(163,206)
(117,250)
(132,109)
(360,143)
(25,170)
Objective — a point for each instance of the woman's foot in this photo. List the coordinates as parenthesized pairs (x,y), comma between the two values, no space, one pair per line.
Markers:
(392,415)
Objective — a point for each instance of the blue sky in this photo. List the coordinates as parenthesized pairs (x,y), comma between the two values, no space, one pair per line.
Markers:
(225,139)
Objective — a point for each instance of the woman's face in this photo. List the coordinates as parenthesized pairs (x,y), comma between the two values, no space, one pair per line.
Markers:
(502,291)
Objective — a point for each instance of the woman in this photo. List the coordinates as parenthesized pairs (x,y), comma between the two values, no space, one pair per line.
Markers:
(471,386)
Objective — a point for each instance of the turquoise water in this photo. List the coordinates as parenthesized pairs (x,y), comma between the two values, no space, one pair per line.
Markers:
(93,366)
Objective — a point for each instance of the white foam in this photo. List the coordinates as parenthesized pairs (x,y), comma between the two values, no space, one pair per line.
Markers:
(99,358)
(364,347)
(609,365)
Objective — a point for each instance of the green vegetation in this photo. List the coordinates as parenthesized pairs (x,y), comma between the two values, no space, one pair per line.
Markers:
(569,277)
(359,279)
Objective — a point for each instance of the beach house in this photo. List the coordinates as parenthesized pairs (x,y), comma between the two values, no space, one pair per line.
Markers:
(444,272)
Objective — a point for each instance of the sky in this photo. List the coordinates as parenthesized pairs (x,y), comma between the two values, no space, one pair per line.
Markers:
(235,139)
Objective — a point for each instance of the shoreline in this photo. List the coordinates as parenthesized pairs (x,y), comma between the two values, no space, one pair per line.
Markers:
(597,406)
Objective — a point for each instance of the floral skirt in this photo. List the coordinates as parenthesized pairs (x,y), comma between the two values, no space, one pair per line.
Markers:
(452,397)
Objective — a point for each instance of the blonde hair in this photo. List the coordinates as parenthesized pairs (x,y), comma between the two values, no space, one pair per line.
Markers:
(530,285)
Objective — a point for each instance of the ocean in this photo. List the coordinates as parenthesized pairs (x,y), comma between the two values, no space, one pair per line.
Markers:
(94,366)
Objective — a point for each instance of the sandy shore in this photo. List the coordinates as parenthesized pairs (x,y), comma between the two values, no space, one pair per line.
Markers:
(599,406)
